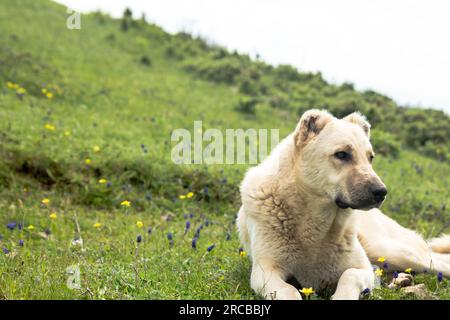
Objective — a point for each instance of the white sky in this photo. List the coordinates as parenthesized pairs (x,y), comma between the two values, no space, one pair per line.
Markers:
(400,48)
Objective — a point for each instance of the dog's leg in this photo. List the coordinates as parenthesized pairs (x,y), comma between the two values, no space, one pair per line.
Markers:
(270,282)
(402,248)
(352,282)
(419,258)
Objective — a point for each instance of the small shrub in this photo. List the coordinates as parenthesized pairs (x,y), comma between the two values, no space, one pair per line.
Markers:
(249,87)
(225,70)
(126,20)
(247,105)
(385,143)
(146,61)
(435,150)
(172,53)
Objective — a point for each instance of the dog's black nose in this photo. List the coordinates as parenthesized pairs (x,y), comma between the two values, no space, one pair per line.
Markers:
(379,193)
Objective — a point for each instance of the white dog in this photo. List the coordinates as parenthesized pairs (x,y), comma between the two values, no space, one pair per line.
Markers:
(309,211)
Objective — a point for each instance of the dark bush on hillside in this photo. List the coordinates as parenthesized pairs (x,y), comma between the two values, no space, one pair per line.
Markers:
(247,105)
(220,54)
(172,53)
(385,143)
(249,87)
(146,61)
(127,20)
(287,73)
(347,86)
(436,150)
(225,70)
(100,17)
(378,99)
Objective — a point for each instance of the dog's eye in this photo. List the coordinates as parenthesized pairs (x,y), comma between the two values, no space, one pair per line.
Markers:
(342,155)
(371,157)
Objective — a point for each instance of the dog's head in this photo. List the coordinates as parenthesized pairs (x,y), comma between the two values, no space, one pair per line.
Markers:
(334,157)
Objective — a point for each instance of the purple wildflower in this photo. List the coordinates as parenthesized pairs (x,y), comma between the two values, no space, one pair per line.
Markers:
(5,251)
(139,238)
(209,249)
(439,276)
(191,215)
(21,242)
(395,274)
(149,230)
(206,223)
(47,231)
(170,236)
(19,226)
(11,225)
(194,243)
(366,291)
(385,265)
(188,226)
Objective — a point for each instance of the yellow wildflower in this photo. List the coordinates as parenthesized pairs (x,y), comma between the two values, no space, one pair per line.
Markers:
(125,203)
(87,161)
(50,127)
(30,227)
(10,84)
(45,201)
(53,216)
(139,224)
(97,225)
(381,259)
(307,291)
(21,91)
(49,95)
(408,270)
(243,254)
(44,90)
(190,194)
(67,133)
(96,148)
(102,181)
(181,197)
(379,272)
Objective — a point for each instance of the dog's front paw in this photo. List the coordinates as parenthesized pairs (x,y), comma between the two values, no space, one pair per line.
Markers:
(402,280)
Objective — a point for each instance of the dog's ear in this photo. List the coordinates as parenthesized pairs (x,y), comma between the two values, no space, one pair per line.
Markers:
(360,120)
(310,125)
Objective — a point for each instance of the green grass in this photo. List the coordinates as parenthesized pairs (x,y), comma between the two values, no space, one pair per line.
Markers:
(104,96)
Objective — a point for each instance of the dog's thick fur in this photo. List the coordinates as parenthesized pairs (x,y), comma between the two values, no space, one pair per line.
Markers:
(309,211)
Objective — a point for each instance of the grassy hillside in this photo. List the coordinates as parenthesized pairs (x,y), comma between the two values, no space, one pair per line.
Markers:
(86,118)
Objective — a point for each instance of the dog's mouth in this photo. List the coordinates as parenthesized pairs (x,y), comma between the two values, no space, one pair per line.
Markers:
(341,204)
(362,206)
